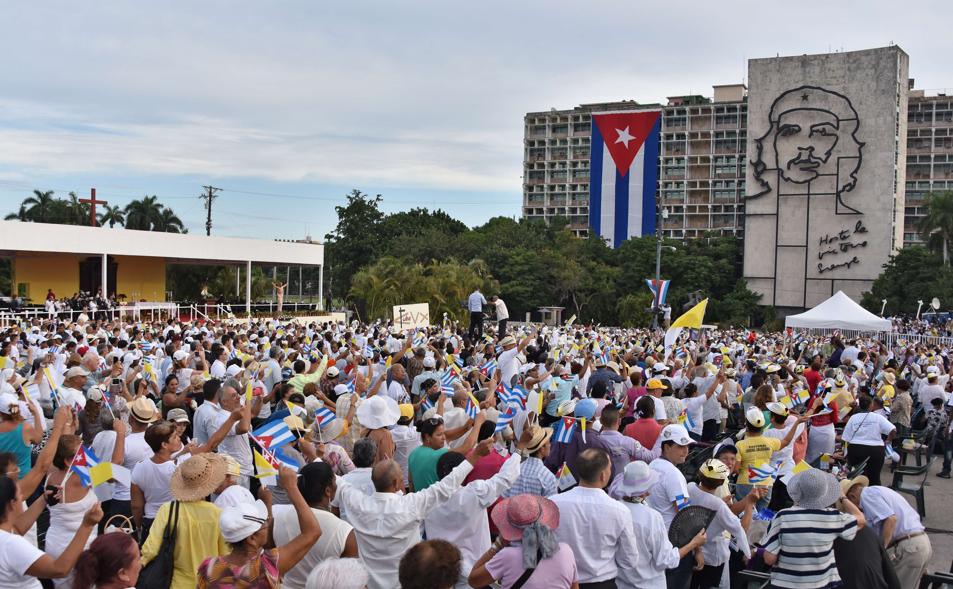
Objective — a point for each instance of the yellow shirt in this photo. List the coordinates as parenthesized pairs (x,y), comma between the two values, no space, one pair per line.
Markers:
(198,538)
(754,451)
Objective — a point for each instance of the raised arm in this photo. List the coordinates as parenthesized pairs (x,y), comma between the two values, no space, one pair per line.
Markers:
(291,553)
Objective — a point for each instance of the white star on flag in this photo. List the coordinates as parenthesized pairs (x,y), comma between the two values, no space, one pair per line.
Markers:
(624,137)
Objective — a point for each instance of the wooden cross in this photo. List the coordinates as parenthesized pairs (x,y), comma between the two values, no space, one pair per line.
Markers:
(92,202)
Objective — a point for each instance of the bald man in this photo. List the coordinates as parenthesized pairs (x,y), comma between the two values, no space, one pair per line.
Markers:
(387,523)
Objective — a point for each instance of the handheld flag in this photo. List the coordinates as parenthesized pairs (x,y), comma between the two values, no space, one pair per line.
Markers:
(800,467)
(249,392)
(762,475)
(693,318)
(84,460)
(565,430)
(566,480)
(324,416)
(107,471)
(582,428)
(264,468)
(273,434)
(276,458)
(471,407)
(446,383)
(504,419)
(427,404)
(488,368)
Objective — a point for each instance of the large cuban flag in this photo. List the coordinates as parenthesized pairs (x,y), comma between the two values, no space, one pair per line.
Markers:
(623,170)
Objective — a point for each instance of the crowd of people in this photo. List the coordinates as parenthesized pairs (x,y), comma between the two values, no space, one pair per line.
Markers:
(264,454)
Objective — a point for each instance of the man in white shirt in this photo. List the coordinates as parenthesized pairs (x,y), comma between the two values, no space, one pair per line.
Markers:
(597,528)
(502,315)
(236,443)
(462,520)
(671,492)
(475,304)
(387,523)
(206,416)
(508,361)
(899,526)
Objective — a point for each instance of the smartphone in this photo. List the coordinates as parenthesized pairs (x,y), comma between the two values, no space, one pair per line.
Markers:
(115,386)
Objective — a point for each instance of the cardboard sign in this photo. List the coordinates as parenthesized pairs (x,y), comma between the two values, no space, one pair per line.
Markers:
(412,316)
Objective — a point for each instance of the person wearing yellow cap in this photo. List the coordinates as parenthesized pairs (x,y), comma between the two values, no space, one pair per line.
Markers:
(655,388)
(756,450)
(782,422)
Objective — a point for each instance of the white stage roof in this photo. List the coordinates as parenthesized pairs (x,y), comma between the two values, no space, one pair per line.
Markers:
(17,236)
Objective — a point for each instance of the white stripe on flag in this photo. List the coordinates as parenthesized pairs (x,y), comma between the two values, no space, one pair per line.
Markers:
(636,183)
(607,222)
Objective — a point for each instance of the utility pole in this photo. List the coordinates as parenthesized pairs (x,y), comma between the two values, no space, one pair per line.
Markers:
(208,197)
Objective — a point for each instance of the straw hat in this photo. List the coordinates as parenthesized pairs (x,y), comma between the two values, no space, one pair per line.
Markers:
(514,514)
(198,477)
(540,436)
(846,484)
(144,410)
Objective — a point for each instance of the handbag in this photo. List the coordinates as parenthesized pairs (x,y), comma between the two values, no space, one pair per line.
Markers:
(158,573)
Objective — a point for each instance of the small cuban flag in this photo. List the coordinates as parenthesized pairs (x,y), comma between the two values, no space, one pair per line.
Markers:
(681,502)
(758,475)
(685,419)
(472,407)
(419,339)
(324,416)
(351,384)
(565,430)
(504,419)
(514,395)
(84,460)
(427,404)
(566,480)
(488,368)
(446,383)
(273,434)
(803,396)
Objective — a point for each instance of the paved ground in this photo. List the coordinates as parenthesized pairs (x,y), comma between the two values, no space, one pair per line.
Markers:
(939,519)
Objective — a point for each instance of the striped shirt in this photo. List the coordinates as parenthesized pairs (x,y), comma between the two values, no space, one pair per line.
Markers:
(803,539)
(534,479)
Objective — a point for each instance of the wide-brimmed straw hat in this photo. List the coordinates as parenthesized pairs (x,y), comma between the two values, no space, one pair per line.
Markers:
(198,477)
(540,436)
(514,514)
(847,484)
(144,410)
(814,489)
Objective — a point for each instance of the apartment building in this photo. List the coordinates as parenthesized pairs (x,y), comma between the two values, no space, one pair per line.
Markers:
(702,161)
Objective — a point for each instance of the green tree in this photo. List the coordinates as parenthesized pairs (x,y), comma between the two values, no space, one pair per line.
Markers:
(914,273)
(936,226)
(77,213)
(168,222)
(142,214)
(39,206)
(354,242)
(112,215)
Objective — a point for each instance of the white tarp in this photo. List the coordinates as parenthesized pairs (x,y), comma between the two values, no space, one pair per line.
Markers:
(838,312)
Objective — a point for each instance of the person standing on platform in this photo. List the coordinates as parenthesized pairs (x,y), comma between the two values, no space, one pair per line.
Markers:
(475,304)
(502,315)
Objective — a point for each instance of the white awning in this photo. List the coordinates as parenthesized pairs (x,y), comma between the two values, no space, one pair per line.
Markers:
(838,312)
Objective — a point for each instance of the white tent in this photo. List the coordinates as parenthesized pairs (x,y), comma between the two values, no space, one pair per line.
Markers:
(838,312)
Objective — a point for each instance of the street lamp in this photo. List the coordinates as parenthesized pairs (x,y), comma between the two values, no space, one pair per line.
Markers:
(883,306)
(658,267)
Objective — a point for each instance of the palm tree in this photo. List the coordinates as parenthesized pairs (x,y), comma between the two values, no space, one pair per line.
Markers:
(144,213)
(18,216)
(936,227)
(38,206)
(78,212)
(112,215)
(168,222)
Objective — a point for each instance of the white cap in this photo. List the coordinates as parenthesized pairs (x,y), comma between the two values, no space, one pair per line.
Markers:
(333,371)
(241,521)
(429,362)
(234,370)
(180,355)
(675,433)
(755,416)
(659,367)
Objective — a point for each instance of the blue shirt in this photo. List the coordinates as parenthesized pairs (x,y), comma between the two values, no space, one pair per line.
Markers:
(475,302)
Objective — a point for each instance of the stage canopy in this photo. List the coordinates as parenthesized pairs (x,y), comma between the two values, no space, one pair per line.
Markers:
(838,312)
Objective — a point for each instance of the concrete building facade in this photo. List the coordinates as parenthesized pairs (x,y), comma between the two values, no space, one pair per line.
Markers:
(703,161)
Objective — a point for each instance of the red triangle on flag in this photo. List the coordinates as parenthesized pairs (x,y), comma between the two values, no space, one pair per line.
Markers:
(265,441)
(623,134)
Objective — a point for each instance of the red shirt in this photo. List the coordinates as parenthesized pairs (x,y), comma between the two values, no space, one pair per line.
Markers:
(645,431)
(485,467)
(813,379)
(827,418)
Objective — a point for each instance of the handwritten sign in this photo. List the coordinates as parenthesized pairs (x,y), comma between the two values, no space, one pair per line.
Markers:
(412,316)
(839,250)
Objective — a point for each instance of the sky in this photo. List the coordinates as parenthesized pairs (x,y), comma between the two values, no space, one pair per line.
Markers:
(288,106)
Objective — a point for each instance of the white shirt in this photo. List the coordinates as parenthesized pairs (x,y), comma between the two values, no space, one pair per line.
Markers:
(153,479)
(397,392)
(203,423)
(508,364)
(359,478)
(660,409)
(929,392)
(599,531)
(462,520)
(334,533)
(671,485)
(387,525)
(654,551)
(879,503)
(235,445)
(406,438)
(16,556)
(501,311)
(786,454)
(475,302)
(715,549)
(866,429)
(693,409)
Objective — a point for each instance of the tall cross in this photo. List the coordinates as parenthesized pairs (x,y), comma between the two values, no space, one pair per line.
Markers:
(92,202)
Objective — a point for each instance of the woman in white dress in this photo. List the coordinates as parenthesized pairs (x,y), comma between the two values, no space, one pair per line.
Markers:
(68,504)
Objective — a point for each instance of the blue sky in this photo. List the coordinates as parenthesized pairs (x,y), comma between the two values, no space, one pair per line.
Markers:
(289,105)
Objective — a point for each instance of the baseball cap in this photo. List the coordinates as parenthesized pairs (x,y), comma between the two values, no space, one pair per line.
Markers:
(76,371)
(778,409)
(178,415)
(333,372)
(655,383)
(180,355)
(675,433)
(714,469)
(755,417)
(429,362)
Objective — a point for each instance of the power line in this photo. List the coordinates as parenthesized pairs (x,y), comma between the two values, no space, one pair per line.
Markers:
(208,197)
